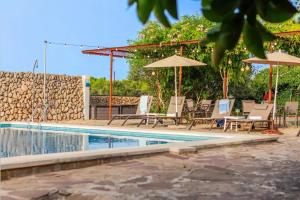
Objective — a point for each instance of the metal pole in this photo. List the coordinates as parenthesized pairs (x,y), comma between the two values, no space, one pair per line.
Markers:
(35,66)
(180,73)
(110,86)
(45,72)
(176,100)
(275,96)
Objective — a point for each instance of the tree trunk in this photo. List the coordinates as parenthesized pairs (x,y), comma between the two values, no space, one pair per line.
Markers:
(225,84)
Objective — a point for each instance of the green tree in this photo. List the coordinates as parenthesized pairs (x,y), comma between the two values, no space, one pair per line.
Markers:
(288,84)
(100,86)
(198,82)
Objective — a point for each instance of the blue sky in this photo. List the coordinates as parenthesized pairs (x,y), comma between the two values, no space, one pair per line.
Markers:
(25,24)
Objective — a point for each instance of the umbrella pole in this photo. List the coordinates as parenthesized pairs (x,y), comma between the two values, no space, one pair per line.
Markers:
(275,96)
(276,91)
(176,100)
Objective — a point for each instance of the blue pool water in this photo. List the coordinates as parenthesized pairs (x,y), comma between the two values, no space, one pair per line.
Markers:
(20,139)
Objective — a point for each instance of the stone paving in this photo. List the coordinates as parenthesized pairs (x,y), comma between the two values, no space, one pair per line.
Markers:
(265,171)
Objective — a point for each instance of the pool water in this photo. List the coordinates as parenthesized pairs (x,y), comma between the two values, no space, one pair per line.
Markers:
(18,142)
(24,139)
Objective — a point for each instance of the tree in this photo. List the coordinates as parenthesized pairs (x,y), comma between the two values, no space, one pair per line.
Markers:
(288,84)
(232,18)
(100,86)
(198,82)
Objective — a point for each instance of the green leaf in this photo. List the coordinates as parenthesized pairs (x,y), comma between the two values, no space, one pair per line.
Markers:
(217,54)
(130,2)
(275,11)
(171,6)
(211,15)
(228,37)
(144,8)
(160,14)
(265,34)
(206,3)
(253,40)
(230,31)
(214,33)
(223,8)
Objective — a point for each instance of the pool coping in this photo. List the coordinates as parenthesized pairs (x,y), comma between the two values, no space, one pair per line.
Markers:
(10,167)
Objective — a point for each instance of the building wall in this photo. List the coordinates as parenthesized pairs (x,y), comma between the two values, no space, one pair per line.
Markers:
(19,93)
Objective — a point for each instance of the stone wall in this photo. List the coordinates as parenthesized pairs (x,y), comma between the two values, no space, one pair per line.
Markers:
(116,100)
(19,93)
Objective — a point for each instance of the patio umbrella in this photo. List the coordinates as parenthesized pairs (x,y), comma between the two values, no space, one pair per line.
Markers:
(175,61)
(276,58)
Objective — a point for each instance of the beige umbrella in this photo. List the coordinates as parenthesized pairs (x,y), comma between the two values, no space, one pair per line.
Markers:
(275,58)
(175,61)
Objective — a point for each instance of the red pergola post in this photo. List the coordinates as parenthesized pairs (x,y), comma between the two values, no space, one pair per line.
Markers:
(270,83)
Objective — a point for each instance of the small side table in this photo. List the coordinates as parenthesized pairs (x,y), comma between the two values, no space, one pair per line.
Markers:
(234,118)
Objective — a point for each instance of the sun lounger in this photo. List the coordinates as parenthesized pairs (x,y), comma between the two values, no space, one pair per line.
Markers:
(291,110)
(189,109)
(247,106)
(171,113)
(260,113)
(222,108)
(204,108)
(142,110)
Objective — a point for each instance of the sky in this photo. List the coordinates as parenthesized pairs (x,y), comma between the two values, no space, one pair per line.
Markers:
(26,24)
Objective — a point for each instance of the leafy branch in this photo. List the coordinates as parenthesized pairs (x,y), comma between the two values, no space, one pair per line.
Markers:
(233,18)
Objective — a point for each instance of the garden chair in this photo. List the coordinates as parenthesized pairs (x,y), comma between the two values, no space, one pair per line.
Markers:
(260,113)
(142,110)
(221,109)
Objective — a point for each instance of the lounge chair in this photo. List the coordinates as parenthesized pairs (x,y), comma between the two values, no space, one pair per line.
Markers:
(171,113)
(142,110)
(204,108)
(259,114)
(222,108)
(247,106)
(291,110)
(189,109)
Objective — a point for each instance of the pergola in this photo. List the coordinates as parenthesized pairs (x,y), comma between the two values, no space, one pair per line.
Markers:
(128,52)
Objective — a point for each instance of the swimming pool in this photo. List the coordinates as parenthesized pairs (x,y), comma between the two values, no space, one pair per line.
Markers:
(29,149)
(22,139)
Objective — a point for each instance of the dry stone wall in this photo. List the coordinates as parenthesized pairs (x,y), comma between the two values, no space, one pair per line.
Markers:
(116,100)
(20,92)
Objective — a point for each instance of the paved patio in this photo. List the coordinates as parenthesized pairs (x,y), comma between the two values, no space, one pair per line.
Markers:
(265,171)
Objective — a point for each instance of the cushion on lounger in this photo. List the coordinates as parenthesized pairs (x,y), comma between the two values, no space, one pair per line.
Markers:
(255,117)
(224,106)
(261,106)
(144,104)
(171,115)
